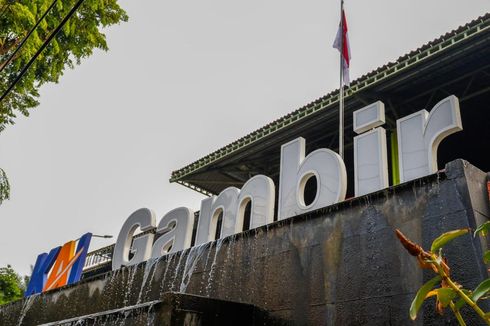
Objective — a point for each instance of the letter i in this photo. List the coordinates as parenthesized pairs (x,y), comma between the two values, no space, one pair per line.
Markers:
(370,158)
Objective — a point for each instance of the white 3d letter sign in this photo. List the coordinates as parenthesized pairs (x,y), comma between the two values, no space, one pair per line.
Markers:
(143,219)
(323,164)
(419,136)
(225,204)
(176,232)
(370,159)
(231,202)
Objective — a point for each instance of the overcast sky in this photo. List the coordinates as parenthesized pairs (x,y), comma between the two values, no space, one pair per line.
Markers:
(181,79)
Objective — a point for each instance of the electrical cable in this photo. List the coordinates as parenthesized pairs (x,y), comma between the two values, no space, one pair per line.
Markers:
(11,57)
(48,40)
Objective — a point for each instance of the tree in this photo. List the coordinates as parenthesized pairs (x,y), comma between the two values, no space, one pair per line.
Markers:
(4,187)
(77,40)
(12,286)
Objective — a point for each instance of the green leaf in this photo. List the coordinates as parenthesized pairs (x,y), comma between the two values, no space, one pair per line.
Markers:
(461,302)
(481,290)
(420,296)
(446,237)
(486,257)
(483,229)
(445,295)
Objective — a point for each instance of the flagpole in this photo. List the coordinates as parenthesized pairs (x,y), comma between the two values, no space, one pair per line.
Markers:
(341,89)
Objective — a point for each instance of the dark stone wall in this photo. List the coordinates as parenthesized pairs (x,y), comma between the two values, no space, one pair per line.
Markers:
(341,265)
(176,309)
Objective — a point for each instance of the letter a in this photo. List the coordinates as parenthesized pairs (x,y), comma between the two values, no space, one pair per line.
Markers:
(176,232)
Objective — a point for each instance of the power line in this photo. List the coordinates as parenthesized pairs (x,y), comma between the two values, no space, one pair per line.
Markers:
(48,40)
(11,57)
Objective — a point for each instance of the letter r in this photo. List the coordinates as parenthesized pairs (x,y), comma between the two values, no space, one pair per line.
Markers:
(420,134)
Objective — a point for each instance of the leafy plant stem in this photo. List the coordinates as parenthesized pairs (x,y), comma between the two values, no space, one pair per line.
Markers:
(449,290)
(457,314)
(468,300)
(458,290)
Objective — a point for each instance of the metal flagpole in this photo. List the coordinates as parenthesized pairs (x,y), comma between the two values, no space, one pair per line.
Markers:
(341,89)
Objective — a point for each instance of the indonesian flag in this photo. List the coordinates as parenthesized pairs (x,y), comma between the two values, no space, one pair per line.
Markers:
(341,43)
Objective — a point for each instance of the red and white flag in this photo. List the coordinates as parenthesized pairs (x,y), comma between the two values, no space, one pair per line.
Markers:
(341,43)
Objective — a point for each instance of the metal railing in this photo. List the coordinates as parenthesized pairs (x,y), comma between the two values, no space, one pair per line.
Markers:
(98,258)
(103,256)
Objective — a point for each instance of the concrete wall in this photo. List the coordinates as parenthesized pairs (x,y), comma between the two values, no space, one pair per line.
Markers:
(176,309)
(341,265)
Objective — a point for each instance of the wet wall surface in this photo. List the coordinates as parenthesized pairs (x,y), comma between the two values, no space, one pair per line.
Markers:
(341,265)
(176,309)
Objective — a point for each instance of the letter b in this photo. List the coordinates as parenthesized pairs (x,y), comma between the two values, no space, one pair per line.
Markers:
(323,164)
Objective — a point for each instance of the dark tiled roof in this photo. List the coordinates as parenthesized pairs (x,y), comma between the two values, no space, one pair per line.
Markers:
(435,47)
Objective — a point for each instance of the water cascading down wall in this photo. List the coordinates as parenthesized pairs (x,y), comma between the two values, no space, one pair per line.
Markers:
(341,265)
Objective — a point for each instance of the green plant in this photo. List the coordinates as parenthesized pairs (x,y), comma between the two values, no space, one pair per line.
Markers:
(443,287)
(12,286)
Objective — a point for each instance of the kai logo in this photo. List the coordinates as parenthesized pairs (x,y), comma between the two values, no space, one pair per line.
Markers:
(61,266)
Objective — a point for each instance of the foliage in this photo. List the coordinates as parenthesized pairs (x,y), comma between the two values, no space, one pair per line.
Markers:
(449,293)
(77,40)
(12,286)
(4,187)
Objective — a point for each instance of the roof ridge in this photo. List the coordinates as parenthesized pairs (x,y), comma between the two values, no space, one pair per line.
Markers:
(325,101)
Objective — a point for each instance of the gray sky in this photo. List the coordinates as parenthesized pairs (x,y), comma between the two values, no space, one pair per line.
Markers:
(181,79)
